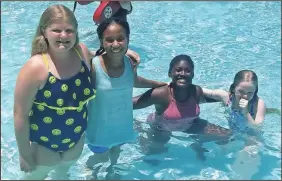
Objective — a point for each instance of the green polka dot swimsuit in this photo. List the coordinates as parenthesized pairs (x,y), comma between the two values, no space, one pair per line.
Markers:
(58,117)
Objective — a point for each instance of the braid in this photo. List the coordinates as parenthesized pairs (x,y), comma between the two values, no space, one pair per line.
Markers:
(100,51)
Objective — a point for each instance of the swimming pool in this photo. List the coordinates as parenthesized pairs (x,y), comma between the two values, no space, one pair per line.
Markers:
(221,38)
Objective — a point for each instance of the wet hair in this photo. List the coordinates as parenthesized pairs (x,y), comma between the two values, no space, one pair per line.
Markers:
(245,76)
(121,14)
(51,15)
(104,25)
(178,58)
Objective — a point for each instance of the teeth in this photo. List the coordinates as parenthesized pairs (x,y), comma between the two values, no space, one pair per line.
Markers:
(116,51)
(182,80)
(63,42)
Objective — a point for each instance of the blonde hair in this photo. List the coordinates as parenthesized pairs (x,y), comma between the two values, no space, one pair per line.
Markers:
(49,16)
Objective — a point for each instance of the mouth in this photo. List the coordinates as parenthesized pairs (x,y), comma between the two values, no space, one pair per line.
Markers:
(63,42)
(181,81)
(116,50)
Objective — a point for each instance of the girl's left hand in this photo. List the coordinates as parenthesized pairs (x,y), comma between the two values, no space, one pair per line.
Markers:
(134,56)
(243,104)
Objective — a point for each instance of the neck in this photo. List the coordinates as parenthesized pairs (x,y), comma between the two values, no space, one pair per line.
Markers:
(181,94)
(114,62)
(60,57)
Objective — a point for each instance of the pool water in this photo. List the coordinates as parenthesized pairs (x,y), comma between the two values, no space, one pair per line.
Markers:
(221,38)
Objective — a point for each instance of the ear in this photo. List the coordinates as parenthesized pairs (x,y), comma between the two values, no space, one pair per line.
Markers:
(42,30)
(169,74)
(101,42)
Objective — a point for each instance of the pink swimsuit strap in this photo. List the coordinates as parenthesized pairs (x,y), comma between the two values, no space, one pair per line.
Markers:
(177,117)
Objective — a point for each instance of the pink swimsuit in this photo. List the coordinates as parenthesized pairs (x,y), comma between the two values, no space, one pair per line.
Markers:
(178,116)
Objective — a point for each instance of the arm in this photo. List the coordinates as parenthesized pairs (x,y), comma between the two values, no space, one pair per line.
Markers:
(27,85)
(217,94)
(259,117)
(200,94)
(151,97)
(134,57)
(87,54)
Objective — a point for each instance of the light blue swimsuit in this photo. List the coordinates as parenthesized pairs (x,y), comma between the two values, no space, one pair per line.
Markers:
(236,120)
(110,120)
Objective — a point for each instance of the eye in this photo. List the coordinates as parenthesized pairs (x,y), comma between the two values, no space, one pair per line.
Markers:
(178,69)
(121,39)
(56,30)
(69,31)
(110,40)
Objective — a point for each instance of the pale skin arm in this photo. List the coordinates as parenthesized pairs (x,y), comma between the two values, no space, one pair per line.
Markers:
(223,96)
(27,85)
(259,117)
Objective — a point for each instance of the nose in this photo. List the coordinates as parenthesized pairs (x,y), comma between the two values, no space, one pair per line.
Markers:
(63,34)
(244,96)
(115,43)
(182,72)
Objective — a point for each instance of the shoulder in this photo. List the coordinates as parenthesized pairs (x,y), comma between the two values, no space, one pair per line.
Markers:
(35,65)
(158,94)
(261,105)
(86,53)
(162,91)
(198,89)
(34,70)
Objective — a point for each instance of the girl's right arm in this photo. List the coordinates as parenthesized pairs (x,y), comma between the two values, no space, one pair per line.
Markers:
(27,84)
(154,96)
(217,94)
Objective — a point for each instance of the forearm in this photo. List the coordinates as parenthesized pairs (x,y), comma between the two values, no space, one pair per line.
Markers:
(141,82)
(215,95)
(251,122)
(144,100)
(22,136)
(135,102)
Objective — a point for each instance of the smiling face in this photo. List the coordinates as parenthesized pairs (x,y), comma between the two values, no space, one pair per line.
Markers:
(182,74)
(115,41)
(61,36)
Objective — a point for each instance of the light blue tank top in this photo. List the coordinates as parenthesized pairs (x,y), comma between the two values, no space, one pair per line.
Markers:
(110,120)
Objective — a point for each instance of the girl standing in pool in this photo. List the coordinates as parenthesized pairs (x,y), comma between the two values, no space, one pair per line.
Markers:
(110,121)
(51,94)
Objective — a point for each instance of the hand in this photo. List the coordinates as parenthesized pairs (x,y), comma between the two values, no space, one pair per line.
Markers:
(243,105)
(27,164)
(126,5)
(134,56)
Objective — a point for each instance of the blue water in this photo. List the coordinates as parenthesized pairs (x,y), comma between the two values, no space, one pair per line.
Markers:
(221,37)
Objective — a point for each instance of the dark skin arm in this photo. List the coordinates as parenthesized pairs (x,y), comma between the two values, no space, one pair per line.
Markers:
(155,96)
